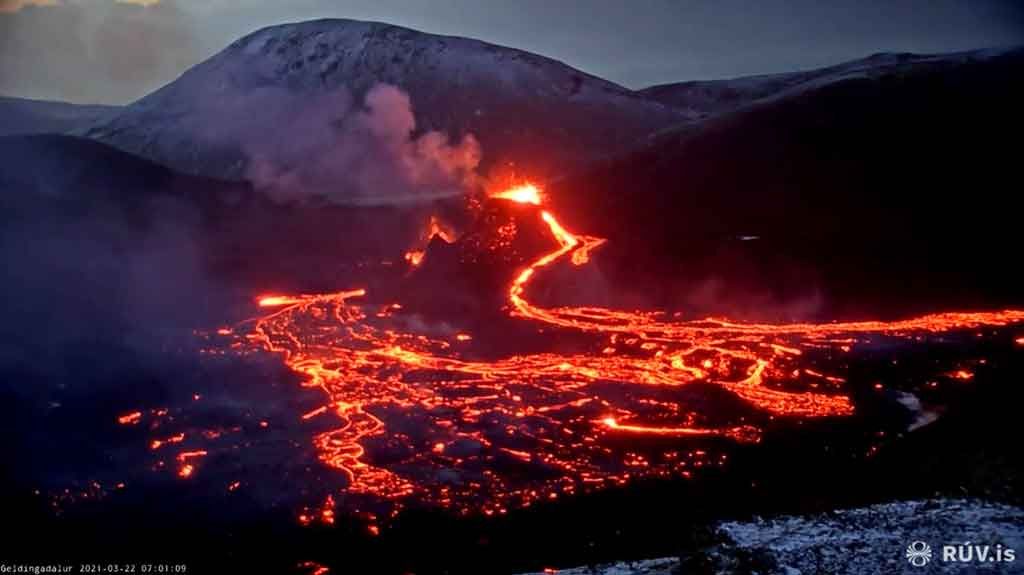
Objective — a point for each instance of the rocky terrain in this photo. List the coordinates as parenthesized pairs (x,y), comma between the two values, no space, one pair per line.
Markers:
(862,540)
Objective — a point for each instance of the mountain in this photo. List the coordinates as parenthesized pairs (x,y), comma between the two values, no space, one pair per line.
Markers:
(21,116)
(537,114)
(883,190)
(708,98)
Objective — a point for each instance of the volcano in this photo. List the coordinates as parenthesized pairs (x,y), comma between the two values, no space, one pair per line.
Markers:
(506,308)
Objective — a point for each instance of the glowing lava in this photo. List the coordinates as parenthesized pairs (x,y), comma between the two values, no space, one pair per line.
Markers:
(415,257)
(524,194)
(418,416)
(130,418)
(435,228)
(277,300)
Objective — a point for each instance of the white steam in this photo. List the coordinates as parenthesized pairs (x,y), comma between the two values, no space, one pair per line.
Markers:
(364,155)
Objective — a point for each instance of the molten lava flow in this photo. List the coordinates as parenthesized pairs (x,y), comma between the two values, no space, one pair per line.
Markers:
(411,414)
(435,228)
(130,418)
(277,300)
(524,194)
(738,433)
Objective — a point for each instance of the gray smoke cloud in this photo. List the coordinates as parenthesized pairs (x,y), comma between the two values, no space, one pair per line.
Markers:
(367,154)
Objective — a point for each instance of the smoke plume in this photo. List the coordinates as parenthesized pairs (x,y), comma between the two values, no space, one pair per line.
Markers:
(355,155)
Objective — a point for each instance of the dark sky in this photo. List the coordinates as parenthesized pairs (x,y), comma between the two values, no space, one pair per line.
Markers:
(115,51)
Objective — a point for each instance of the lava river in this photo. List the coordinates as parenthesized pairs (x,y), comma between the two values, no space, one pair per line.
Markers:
(410,415)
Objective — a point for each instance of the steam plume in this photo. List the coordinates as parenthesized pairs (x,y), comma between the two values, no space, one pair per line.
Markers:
(363,155)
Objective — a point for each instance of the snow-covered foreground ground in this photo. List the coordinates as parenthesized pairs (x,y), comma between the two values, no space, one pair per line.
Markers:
(866,540)
(664,566)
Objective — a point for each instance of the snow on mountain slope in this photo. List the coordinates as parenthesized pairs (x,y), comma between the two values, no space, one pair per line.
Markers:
(21,116)
(708,98)
(279,89)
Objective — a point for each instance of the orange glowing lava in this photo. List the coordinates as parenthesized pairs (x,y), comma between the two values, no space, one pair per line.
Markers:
(485,434)
(524,194)
(414,257)
(130,418)
(277,300)
(435,229)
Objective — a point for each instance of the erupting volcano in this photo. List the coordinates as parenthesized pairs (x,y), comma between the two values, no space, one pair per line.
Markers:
(345,294)
(426,417)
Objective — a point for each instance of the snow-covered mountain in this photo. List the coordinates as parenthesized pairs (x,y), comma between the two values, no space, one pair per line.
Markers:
(538,114)
(21,116)
(291,106)
(714,97)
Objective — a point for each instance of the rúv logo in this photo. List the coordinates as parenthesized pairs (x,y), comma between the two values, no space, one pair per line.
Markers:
(919,553)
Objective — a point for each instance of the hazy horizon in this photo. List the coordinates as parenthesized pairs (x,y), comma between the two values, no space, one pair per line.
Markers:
(113,52)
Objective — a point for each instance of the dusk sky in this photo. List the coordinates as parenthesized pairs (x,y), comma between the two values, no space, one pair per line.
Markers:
(108,51)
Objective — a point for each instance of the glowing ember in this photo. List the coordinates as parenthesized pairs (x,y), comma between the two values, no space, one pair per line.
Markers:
(415,257)
(130,418)
(158,443)
(187,469)
(313,568)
